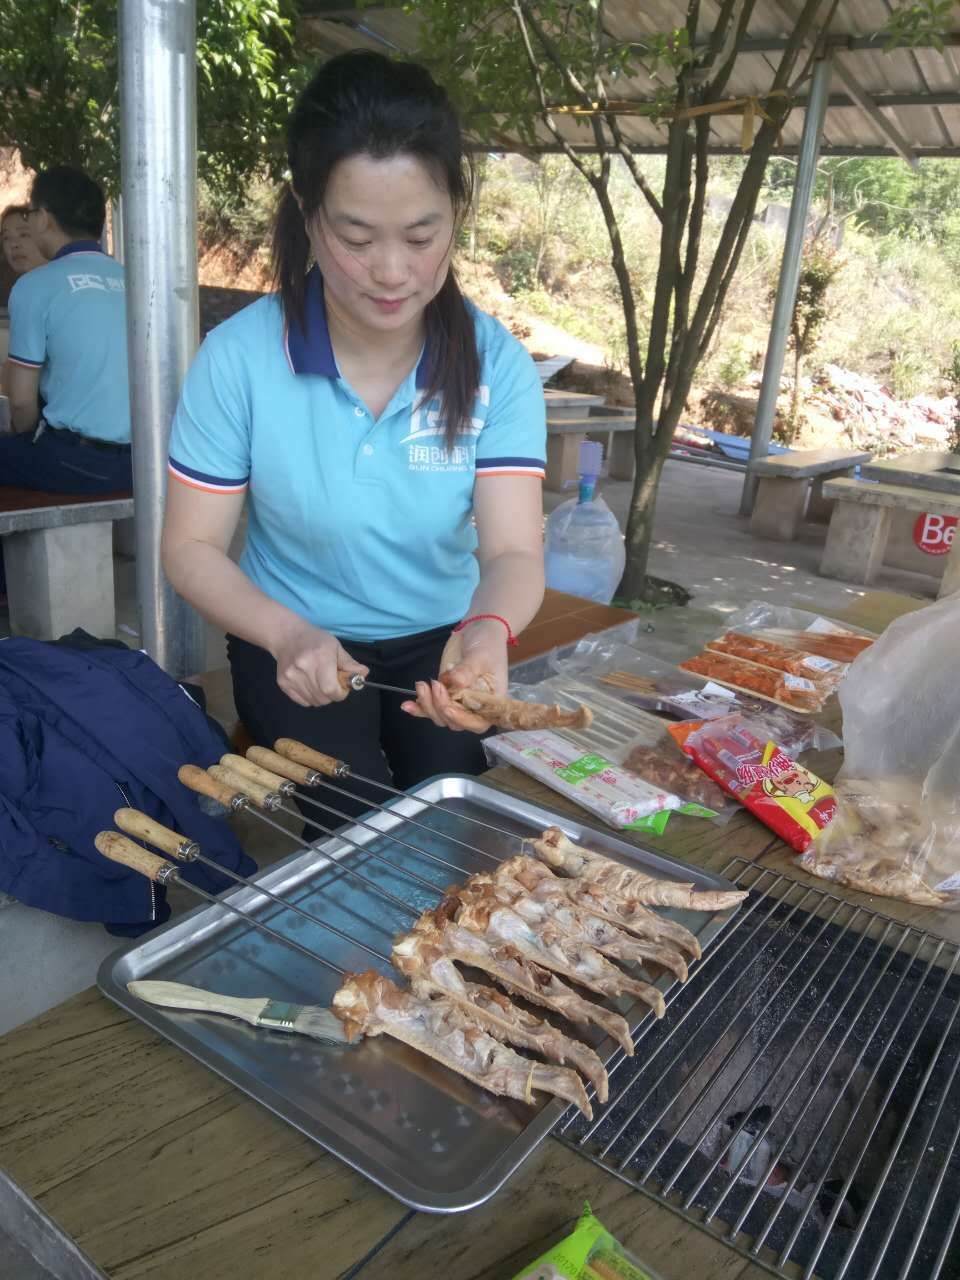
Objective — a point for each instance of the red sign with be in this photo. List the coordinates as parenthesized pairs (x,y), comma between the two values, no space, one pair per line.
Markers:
(934,534)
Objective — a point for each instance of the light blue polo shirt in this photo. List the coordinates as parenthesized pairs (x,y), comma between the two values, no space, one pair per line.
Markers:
(68,319)
(362,527)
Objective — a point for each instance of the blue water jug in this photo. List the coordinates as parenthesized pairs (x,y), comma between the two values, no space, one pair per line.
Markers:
(585,554)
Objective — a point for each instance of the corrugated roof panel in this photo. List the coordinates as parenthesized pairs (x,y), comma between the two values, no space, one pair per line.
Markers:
(902,72)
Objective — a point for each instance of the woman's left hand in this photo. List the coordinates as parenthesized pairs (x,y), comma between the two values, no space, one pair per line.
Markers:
(475,658)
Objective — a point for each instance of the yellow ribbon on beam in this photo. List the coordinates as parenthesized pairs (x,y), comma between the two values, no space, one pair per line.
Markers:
(749,106)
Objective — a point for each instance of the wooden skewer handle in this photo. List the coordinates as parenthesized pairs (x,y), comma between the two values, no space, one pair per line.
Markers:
(135,823)
(197,779)
(119,849)
(245,768)
(294,750)
(262,797)
(283,767)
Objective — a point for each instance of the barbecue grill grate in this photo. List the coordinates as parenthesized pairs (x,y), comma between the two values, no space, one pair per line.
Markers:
(801,1100)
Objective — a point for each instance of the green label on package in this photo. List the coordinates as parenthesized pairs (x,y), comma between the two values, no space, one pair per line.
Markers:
(582,768)
(697,811)
(654,824)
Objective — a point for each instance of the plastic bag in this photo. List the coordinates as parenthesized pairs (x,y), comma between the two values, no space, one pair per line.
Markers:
(897,830)
(596,783)
(797,629)
(589,1252)
(680,695)
(787,798)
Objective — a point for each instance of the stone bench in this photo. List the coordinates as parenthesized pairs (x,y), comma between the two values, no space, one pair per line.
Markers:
(791,486)
(565,436)
(58,556)
(569,404)
(860,526)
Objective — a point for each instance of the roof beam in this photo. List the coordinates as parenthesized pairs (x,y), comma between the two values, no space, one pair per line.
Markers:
(838,42)
(660,149)
(860,96)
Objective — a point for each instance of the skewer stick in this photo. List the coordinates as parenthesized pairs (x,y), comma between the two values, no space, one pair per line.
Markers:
(288,752)
(136,823)
(232,795)
(119,849)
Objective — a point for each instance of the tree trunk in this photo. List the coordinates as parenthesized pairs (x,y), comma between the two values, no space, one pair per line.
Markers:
(639,536)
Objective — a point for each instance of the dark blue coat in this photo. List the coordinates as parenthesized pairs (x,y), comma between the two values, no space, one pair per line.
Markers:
(81,734)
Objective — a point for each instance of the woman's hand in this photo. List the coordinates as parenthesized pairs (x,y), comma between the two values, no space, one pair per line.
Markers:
(475,658)
(309,662)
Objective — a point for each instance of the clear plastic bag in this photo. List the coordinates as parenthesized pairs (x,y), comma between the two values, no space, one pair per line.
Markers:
(897,829)
(679,695)
(598,784)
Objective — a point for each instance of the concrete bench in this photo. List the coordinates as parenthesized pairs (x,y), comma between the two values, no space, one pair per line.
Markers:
(569,404)
(791,486)
(860,526)
(58,556)
(931,469)
(565,436)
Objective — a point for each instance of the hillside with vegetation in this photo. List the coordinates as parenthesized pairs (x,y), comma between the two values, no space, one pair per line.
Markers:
(879,321)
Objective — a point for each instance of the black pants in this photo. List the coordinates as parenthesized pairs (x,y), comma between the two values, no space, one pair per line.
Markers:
(368,730)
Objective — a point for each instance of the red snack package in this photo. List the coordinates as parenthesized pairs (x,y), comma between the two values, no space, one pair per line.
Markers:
(787,798)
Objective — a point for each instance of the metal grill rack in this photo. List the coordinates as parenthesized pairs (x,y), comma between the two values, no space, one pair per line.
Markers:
(801,1100)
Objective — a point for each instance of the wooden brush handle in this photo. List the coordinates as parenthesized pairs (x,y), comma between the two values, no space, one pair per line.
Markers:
(135,823)
(119,849)
(262,797)
(294,750)
(280,765)
(177,995)
(197,779)
(245,768)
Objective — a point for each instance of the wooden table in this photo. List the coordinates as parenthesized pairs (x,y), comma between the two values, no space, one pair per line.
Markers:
(160,1169)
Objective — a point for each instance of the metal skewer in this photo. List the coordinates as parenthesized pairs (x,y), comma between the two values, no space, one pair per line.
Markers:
(237,776)
(120,849)
(241,795)
(298,763)
(135,823)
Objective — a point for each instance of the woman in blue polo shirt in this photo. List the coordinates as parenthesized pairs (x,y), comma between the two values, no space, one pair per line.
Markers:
(389,439)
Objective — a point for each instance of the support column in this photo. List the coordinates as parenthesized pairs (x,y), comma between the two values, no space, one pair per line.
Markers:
(158,109)
(789,274)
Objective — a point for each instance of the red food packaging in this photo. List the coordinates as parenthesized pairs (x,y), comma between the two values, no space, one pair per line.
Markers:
(787,798)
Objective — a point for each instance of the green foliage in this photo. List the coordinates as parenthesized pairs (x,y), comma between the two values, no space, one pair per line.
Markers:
(733,365)
(818,271)
(952,376)
(919,24)
(59,94)
(908,374)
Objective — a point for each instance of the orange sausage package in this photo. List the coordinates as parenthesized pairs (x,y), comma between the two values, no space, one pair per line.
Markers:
(785,796)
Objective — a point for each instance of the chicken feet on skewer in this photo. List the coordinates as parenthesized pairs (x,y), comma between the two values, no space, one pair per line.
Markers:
(372,1004)
(518,975)
(431,972)
(558,851)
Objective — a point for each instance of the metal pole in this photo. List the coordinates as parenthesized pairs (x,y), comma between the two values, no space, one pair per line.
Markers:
(158,111)
(789,275)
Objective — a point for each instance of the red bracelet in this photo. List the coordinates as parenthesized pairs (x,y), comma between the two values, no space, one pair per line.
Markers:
(494,617)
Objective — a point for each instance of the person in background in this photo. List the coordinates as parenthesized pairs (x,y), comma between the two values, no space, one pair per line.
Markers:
(68,346)
(19,248)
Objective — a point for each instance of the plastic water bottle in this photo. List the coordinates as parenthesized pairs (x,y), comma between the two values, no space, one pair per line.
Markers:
(585,554)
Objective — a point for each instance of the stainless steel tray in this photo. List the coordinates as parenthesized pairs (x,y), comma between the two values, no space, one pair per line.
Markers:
(430,1138)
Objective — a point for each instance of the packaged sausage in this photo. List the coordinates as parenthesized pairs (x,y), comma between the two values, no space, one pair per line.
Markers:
(824,672)
(785,796)
(589,1252)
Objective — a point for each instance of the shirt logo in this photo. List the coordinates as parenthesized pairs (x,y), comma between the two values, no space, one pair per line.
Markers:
(91,280)
(426,423)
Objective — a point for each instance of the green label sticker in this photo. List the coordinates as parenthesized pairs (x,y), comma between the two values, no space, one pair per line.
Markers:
(697,811)
(654,824)
(582,768)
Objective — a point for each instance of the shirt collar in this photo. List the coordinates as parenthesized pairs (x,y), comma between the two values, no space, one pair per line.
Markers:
(78,246)
(309,348)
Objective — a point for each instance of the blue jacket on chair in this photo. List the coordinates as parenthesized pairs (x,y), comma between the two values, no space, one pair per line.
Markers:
(83,733)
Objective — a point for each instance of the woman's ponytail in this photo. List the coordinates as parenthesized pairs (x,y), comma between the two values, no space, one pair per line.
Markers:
(291,256)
